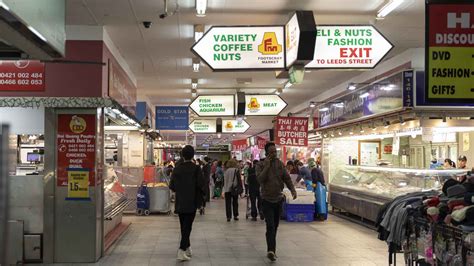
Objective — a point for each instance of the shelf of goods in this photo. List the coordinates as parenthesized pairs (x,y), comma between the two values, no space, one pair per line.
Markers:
(115,201)
(363,190)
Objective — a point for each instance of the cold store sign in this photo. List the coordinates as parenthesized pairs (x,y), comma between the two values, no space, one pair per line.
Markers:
(349,46)
(291,131)
(172,117)
(203,126)
(234,126)
(262,105)
(242,48)
(449,52)
(22,75)
(213,105)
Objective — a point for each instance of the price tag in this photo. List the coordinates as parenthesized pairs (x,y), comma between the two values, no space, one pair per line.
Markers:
(78,184)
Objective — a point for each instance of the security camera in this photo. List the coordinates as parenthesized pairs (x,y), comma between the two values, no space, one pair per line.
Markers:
(163,16)
(147,24)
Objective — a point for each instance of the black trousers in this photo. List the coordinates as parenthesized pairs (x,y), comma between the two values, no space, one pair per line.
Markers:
(231,205)
(255,203)
(186,221)
(272,213)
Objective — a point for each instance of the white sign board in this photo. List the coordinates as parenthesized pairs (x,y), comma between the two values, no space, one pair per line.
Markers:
(263,105)
(203,126)
(234,126)
(242,47)
(346,46)
(213,105)
(292,30)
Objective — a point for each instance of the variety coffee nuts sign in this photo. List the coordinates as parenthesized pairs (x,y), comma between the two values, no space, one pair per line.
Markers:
(242,47)
(22,75)
(263,105)
(213,105)
(291,131)
(449,52)
(349,46)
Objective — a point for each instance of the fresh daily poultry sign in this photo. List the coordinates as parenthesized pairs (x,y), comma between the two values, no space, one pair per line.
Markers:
(242,47)
(450,52)
(349,46)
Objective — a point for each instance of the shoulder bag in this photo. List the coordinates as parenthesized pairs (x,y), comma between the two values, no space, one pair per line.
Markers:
(236,190)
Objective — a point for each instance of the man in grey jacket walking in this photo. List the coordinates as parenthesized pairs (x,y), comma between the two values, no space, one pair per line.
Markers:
(272,176)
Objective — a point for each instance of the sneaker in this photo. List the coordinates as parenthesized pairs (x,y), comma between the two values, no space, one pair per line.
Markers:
(271,256)
(236,218)
(182,255)
(189,252)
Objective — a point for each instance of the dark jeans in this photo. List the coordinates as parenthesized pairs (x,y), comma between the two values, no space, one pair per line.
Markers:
(231,205)
(186,221)
(255,203)
(272,213)
(246,189)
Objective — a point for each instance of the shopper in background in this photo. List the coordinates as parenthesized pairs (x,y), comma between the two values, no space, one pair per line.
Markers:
(291,168)
(219,183)
(317,173)
(462,162)
(206,171)
(245,171)
(254,192)
(188,183)
(232,189)
(448,164)
(272,175)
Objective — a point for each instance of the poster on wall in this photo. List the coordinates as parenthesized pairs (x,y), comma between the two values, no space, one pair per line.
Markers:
(291,131)
(449,52)
(22,75)
(121,87)
(76,149)
(172,117)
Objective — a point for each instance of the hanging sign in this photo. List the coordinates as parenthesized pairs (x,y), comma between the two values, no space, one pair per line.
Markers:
(291,131)
(261,142)
(203,126)
(213,105)
(262,105)
(449,52)
(234,126)
(76,147)
(78,184)
(349,46)
(300,34)
(172,117)
(242,48)
(22,75)
(239,145)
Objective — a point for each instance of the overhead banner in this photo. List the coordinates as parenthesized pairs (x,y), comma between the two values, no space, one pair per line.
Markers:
(239,145)
(449,52)
(349,46)
(291,131)
(203,126)
(234,126)
(172,117)
(261,142)
(76,149)
(22,75)
(263,105)
(300,34)
(242,48)
(214,105)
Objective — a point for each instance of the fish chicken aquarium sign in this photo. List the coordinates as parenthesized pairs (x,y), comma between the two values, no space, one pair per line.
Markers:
(242,47)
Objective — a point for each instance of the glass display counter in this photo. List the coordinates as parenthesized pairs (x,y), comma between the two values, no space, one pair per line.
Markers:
(362,190)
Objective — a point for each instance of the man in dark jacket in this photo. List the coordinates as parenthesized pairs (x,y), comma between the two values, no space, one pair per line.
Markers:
(206,171)
(254,191)
(188,183)
(272,176)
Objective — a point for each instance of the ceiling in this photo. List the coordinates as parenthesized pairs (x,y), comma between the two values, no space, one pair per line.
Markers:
(161,59)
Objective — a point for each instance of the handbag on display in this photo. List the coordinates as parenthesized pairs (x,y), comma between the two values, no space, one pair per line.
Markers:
(236,190)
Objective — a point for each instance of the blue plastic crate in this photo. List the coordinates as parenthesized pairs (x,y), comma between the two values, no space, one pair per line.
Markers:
(299,212)
(300,207)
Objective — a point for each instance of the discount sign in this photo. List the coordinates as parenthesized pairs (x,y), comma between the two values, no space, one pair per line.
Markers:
(291,131)
(450,52)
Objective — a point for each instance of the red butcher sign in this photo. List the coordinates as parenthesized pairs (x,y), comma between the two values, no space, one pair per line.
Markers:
(291,131)
(239,145)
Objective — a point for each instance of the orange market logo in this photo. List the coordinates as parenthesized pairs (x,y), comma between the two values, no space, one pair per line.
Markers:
(253,106)
(229,126)
(271,51)
(77,124)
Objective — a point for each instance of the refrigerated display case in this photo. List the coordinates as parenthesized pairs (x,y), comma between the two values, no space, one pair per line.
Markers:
(362,190)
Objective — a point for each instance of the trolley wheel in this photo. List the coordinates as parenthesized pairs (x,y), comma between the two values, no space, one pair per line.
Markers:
(147,212)
(140,212)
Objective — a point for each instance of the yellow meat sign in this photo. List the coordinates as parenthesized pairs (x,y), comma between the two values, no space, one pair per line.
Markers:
(253,103)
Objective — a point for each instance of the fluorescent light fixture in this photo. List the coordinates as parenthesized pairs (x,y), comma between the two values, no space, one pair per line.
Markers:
(201,6)
(194,83)
(339,105)
(118,128)
(351,132)
(124,116)
(351,87)
(340,133)
(388,8)
(312,104)
(219,135)
(364,95)
(37,33)
(324,109)
(116,111)
(194,92)
(4,6)
(332,135)
(198,32)
(131,121)
(196,64)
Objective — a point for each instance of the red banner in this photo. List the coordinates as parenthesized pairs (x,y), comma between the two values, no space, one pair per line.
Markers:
(291,131)
(450,25)
(239,145)
(261,142)
(76,145)
(22,75)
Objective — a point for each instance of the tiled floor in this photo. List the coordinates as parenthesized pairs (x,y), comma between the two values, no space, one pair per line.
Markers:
(154,240)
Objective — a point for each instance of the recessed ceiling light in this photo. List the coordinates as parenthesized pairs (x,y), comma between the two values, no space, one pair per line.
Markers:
(201,6)
(388,8)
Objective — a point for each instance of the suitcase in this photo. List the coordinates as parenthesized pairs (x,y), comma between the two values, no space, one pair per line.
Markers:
(321,203)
